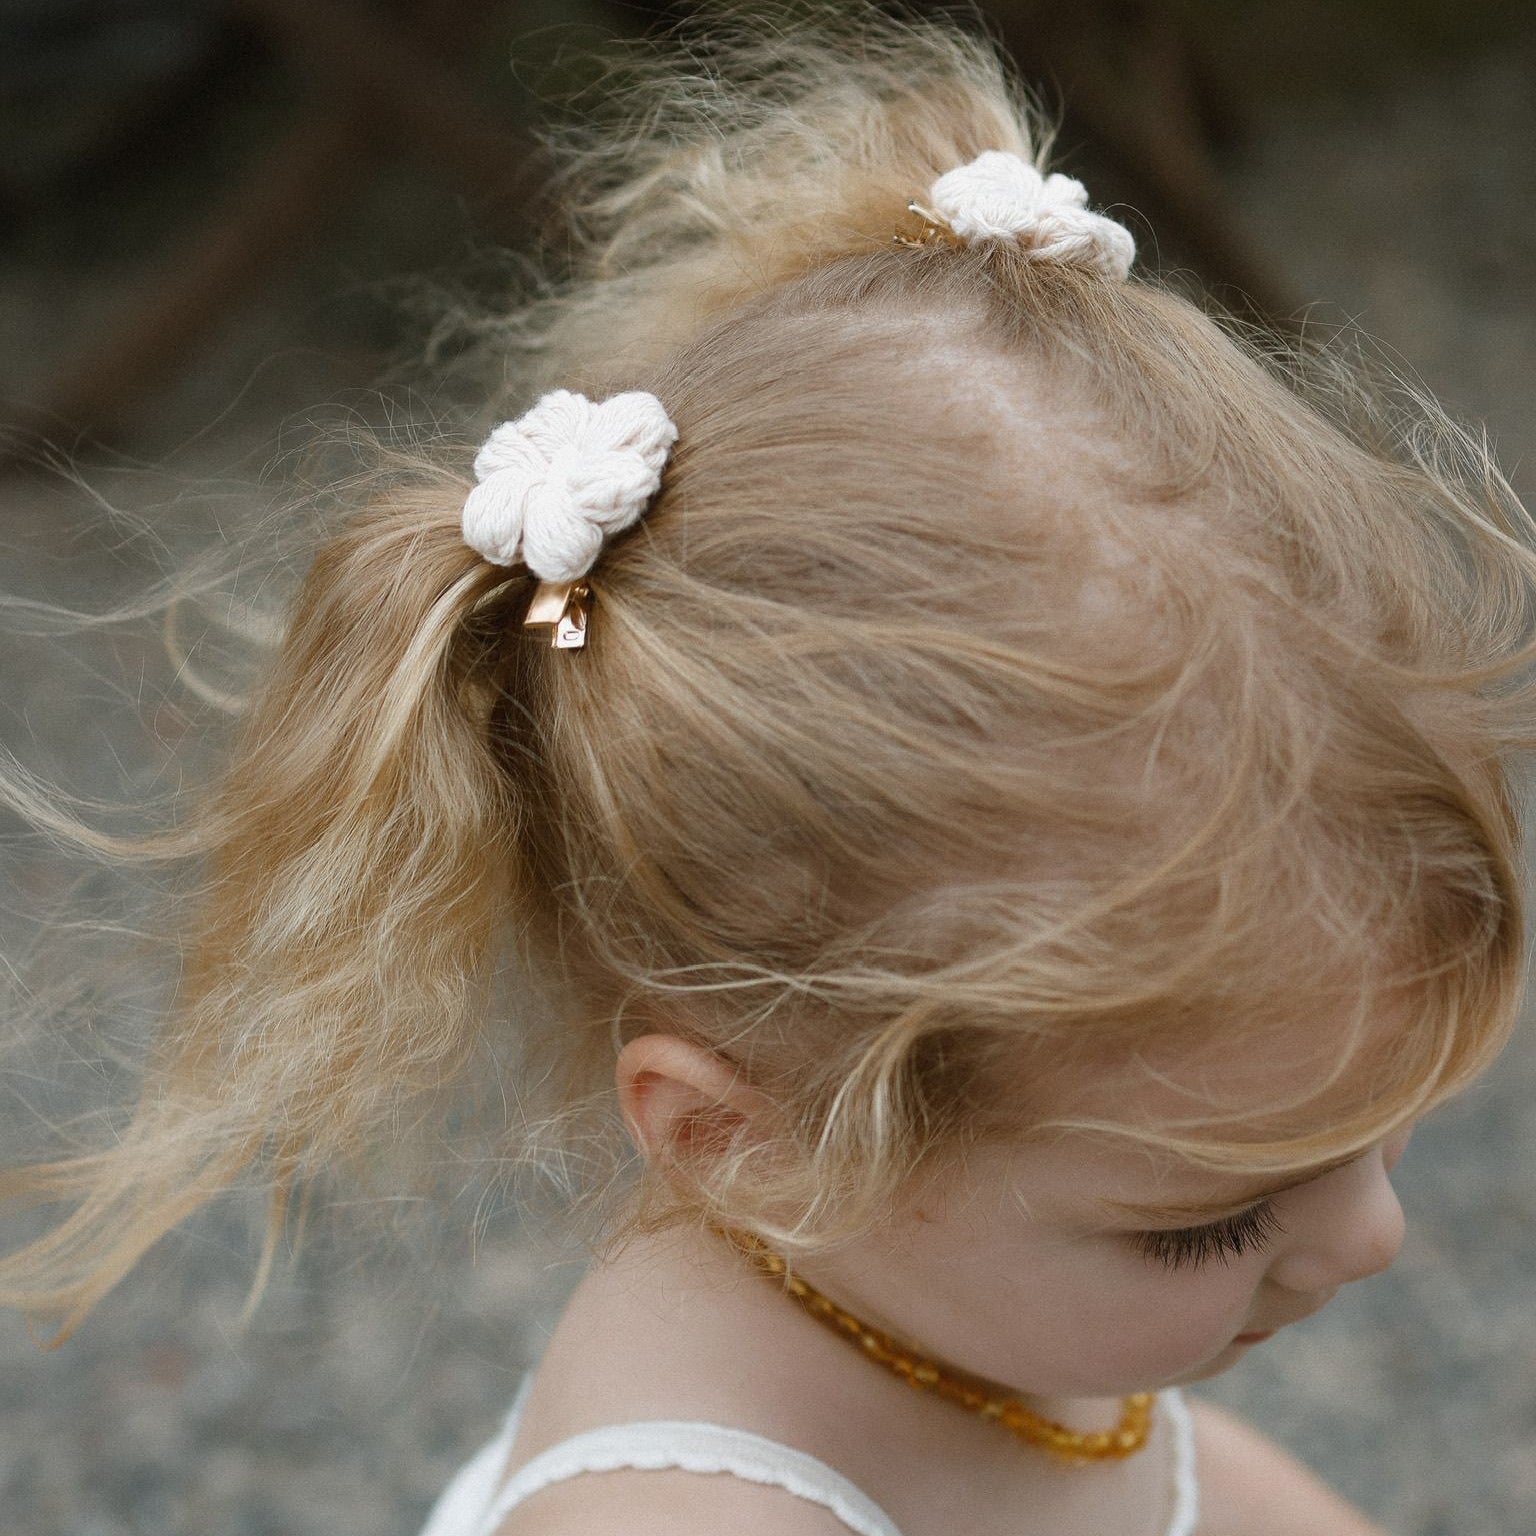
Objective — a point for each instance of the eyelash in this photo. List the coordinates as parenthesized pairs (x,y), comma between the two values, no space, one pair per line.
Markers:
(1224,1239)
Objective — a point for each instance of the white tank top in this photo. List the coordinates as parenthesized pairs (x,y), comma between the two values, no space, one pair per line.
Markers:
(477,1500)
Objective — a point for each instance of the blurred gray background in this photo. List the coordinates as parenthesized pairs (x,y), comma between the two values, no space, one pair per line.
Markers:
(219,223)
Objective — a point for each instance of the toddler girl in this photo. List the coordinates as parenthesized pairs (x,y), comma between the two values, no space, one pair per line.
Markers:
(991,781)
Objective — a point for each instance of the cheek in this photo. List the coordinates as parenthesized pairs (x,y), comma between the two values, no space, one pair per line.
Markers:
(1180,1318)
(1095,1318)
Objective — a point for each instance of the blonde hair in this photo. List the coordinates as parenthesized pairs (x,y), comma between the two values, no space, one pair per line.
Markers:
(1018,672)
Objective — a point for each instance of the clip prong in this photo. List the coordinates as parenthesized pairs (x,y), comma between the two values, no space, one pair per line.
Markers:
(933,229)
(563,606)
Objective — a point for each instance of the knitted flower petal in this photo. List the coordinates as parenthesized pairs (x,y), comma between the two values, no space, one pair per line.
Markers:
(1115,247)
(556,545)
(635,420)
(613,488)
(493,517)
(1063,192)
(559,420)
(507,448)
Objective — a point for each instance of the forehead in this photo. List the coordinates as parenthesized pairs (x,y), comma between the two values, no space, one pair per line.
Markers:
(1264,1100)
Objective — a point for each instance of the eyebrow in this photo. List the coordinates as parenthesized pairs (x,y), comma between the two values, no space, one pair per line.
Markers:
(1213,1210)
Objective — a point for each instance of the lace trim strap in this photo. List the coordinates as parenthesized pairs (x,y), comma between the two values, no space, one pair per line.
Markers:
(1186,1483)
(694,1447)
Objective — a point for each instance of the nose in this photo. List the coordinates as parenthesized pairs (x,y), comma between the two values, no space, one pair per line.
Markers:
(1342,1227)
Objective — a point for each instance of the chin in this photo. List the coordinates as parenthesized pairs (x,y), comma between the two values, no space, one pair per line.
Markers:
(1224,1361)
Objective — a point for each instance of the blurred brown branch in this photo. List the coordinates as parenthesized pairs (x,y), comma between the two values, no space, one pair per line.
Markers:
(377,82)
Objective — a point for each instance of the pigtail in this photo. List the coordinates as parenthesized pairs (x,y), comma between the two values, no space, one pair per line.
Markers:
(356,860)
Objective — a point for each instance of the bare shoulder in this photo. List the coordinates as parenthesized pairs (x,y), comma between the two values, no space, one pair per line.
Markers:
(1249,1486)
(667,1502)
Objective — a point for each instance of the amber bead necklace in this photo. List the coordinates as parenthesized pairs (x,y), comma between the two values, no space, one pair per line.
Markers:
(1076,1445)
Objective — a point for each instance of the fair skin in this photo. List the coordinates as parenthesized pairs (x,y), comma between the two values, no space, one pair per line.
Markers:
(1067,1271)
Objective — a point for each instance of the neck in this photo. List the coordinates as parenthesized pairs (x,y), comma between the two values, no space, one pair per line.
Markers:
(685,1300)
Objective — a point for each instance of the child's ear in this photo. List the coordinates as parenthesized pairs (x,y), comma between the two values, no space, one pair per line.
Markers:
(680,1100)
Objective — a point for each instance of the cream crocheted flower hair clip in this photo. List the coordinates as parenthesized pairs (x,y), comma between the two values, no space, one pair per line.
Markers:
(555,483)
(1001,196)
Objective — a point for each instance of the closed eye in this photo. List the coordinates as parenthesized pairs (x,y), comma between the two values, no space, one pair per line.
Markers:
(1192,1247)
